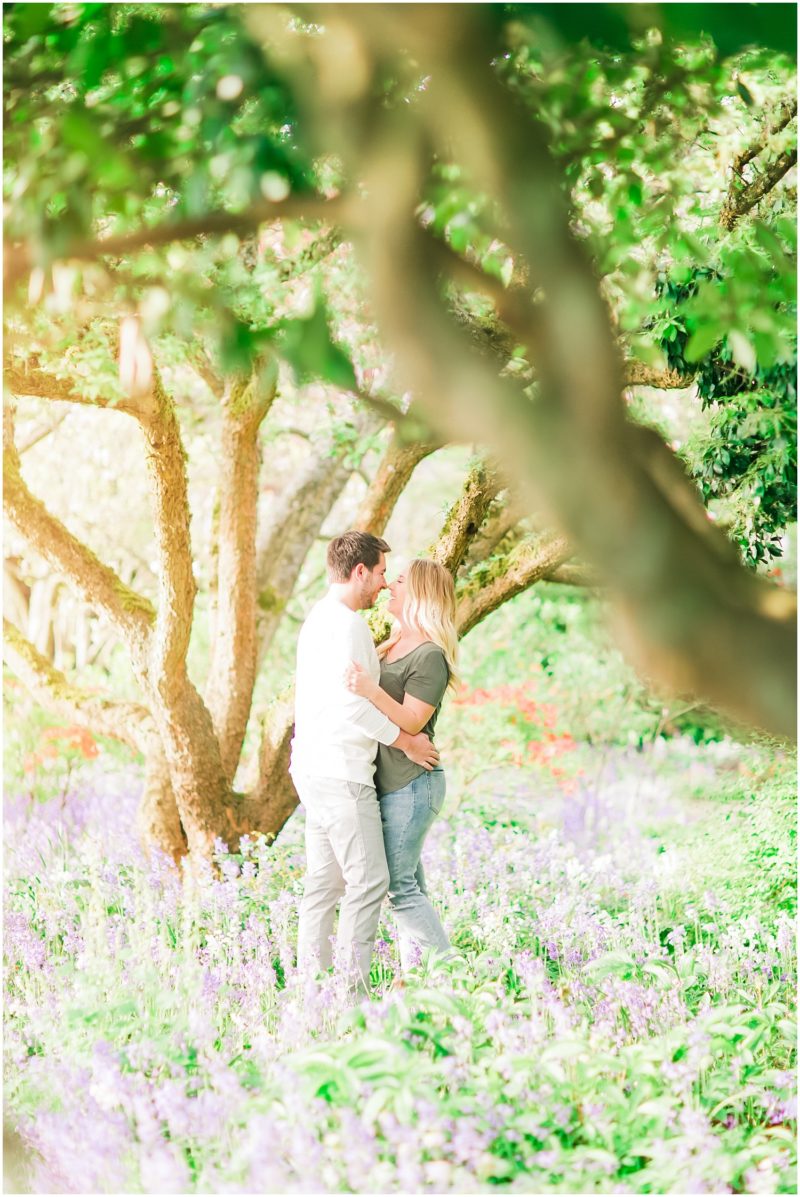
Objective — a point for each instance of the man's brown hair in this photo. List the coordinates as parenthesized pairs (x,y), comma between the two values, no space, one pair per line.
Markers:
(350,549)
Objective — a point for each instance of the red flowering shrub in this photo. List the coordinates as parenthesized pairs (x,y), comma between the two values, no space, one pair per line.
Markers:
(540,739)
(74,743)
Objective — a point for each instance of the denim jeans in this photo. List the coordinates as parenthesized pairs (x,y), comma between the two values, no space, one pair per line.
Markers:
(407,815)
(345,861)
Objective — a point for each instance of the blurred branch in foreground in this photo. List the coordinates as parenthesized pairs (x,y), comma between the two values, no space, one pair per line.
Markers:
(696,620)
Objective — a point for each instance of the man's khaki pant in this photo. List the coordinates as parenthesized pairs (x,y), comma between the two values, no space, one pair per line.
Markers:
(345,860)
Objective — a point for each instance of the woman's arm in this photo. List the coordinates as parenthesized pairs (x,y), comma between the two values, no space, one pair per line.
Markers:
(411,715)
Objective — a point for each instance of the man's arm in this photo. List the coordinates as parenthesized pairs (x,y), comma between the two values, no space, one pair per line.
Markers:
(368,719)
(359,711)
(376,725)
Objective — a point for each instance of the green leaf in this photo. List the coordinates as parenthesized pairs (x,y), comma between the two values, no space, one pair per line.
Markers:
(29,19)
(766,348)
(701,342)
(745,94)
(306,344)
(611,964)
(742,349)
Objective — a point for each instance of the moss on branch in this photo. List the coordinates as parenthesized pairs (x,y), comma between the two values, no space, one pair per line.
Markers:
(465,517)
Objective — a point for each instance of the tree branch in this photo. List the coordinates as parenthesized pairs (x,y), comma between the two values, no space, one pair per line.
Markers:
(494,582)
(743,196)
(465,517)
(29,379)
(18,260)
(497,334)
(637,374)
(232,673)
(411,425)
(128,722)
(394,472)
(740,201)
(39,434)
(324,244)
(97,584)
(691,618)
(787,113)
(166,462)
(502,521)
(572,573)
(205,369)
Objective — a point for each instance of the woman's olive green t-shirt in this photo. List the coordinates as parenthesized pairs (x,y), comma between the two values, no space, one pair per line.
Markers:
(423,674)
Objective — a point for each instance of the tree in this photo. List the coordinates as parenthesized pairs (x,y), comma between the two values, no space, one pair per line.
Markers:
(512,196)
(192,744)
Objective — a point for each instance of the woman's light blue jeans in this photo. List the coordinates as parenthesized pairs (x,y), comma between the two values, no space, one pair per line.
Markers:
(407,815)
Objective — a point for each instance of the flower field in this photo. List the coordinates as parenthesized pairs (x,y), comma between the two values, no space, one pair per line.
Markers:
(621,1018)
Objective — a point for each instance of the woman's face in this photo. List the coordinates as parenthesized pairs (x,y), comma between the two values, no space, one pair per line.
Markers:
(397,591)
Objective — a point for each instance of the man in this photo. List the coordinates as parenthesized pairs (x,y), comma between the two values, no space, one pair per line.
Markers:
(333,761)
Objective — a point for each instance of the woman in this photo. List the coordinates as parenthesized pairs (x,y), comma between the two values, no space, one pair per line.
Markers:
(417,665)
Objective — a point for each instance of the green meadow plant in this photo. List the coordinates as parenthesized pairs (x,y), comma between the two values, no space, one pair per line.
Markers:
(620,1017)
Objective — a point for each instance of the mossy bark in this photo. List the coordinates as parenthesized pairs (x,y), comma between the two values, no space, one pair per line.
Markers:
(465,517)
(502,521)
(490,585)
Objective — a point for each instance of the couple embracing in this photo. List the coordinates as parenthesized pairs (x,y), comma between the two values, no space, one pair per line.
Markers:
(363,759)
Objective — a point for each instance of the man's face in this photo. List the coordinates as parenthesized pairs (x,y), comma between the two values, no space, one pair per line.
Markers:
(373,581)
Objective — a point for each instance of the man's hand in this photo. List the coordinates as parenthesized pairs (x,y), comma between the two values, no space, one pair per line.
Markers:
(418,749)
(358,681)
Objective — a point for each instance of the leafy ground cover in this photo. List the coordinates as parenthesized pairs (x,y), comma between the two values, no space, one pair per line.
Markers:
(621,1019)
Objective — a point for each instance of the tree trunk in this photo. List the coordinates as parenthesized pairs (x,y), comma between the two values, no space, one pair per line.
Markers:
(271,796)
(157,816)
(184,723)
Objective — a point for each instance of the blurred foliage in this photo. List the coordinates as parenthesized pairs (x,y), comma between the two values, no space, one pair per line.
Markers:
(620,26)
(134,112)
(121,117)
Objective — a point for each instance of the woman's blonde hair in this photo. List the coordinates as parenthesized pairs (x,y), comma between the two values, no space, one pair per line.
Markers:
(430,610)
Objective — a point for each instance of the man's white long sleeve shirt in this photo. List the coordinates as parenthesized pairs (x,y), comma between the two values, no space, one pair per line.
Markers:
(336,733)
